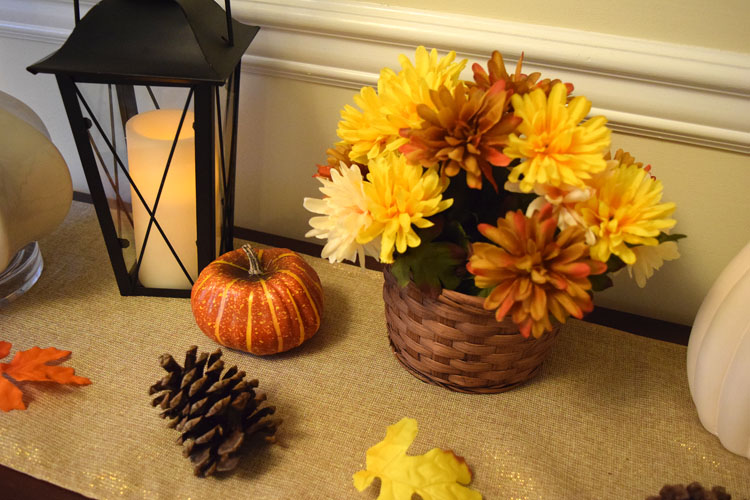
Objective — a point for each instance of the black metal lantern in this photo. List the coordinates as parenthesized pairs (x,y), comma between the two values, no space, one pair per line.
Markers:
(136,49)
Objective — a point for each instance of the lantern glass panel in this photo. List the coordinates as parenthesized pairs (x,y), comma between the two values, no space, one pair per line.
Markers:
(127,124)
(103,107)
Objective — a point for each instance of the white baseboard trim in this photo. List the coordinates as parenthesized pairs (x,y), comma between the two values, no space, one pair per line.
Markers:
(687,94)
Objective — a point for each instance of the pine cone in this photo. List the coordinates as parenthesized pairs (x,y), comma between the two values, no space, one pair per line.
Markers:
(214,413)
(693,491)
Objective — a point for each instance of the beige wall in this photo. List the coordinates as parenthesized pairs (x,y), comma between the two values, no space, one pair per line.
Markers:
(720,24)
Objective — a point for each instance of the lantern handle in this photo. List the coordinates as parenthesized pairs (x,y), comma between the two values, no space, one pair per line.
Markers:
(230,32)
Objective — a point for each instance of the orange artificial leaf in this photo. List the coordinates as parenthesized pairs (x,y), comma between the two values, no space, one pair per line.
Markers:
(11,397)
(31,365)
(4,348)
(436,475)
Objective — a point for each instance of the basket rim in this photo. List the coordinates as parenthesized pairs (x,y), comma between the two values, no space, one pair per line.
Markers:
(450,297)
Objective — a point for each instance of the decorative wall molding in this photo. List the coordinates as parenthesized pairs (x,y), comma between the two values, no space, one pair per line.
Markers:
(34,33)
(687,94)
(692,95)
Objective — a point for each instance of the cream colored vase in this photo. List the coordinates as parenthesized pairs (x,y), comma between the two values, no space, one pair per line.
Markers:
(718,357)
(35,185)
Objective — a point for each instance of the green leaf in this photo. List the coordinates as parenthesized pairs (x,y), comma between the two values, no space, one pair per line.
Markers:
(430,265)
(600,282)
(426,235)
(614,264)
(401,271)
(454,232)
(663,237)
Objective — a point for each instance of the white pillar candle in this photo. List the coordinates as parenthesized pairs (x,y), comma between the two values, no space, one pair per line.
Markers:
(149,138)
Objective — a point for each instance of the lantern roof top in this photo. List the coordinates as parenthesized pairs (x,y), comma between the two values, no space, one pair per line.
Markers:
(151,41)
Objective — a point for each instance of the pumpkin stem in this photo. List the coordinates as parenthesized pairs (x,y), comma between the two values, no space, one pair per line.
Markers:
(253,262)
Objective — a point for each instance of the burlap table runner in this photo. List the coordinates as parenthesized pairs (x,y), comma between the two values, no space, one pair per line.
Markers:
(610,416)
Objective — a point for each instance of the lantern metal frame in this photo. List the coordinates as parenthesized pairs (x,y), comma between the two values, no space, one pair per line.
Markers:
(215,135)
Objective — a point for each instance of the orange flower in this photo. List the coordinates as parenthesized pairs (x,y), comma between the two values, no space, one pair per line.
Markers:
(518,82)
(622,157)
(336,156)
(532,272)
(467,130)
(373,129)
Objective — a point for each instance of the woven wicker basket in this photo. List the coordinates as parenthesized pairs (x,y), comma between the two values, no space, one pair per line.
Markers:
(451,341)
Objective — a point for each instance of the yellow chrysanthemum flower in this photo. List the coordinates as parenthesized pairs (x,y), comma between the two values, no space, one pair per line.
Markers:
(625,209)
(400,195)
(374,128)
(554,147)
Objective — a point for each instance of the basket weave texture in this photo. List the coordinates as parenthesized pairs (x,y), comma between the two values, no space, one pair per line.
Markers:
(453,342)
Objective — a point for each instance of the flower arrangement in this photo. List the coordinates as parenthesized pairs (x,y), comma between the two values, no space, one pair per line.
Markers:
(498,187)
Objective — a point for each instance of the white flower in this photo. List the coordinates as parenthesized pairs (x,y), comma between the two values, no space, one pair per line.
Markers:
(649,259)
(344,214)
(564,199)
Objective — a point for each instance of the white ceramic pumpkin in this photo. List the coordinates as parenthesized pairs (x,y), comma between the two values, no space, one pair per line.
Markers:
(35,184)
(718,357)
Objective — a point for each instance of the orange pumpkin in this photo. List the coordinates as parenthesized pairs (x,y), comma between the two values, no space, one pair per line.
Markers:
(261,301)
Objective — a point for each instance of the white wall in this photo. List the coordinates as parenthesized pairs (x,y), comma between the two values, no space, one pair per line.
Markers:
(683,109)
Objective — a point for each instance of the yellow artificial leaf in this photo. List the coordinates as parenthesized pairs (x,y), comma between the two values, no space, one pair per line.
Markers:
(436,475)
